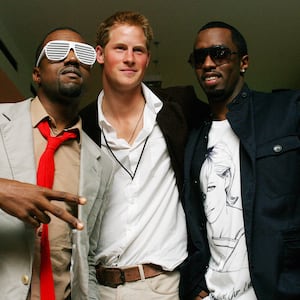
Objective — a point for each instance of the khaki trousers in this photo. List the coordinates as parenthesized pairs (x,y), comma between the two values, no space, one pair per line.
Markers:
(162,287)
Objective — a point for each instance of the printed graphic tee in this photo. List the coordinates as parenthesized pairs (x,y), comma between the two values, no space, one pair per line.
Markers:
(227,276)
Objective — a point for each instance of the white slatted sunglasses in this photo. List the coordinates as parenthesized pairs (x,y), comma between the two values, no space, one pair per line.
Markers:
(58,50)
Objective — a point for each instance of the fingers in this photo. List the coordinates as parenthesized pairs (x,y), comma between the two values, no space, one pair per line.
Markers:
(31,203)
(34,221)
(58,211)
(65,216)
(38,217)
(64,196)
(35,218)
(201,295)
(41,217)
(82,200)
(62,213)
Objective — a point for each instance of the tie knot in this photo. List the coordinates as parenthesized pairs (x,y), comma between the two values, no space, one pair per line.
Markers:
(54,141)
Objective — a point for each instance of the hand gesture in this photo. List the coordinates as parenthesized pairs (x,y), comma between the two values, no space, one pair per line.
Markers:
(30,203)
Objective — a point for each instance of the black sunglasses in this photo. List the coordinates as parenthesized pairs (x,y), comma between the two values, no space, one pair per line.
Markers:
(219,54)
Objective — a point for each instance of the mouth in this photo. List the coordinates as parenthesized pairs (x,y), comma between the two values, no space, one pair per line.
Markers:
(72,71)
(211,78)
(129,71)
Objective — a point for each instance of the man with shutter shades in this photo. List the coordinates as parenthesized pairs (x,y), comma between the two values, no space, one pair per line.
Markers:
(51,234)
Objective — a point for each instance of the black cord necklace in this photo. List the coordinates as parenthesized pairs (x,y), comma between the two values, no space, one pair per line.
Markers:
(114,156)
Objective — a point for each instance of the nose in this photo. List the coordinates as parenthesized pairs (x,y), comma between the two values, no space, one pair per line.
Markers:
(129,56)
(71,58)
(208,62)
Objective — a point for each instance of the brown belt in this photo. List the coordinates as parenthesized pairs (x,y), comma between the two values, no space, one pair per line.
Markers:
(115,276)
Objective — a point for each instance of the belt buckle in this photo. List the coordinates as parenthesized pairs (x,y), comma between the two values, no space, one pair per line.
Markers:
(122,276)
(115,285)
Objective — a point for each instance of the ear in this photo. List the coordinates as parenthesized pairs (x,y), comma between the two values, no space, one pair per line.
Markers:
(100,54)
(36,76)
(148,60)
(244,64)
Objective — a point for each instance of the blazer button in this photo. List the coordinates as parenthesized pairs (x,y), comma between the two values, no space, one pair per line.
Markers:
(25,279)
(277,148)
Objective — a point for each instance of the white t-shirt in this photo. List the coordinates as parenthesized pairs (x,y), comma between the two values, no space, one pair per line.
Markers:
(227,276)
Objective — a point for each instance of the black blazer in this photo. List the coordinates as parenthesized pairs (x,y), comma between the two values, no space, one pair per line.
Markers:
(268,126)
(181,112)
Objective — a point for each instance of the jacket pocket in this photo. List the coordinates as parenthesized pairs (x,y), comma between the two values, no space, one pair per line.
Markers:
(278,169)
(278,146)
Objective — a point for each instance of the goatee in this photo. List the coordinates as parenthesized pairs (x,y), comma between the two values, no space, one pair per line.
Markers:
(216,95)
(70,90)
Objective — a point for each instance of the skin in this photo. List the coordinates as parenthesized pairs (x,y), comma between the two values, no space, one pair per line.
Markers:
(124,61)
(62,84)
(124,58)
(60,88)
(221,84)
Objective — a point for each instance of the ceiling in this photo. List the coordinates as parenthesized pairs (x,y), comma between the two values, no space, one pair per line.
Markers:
(270,27)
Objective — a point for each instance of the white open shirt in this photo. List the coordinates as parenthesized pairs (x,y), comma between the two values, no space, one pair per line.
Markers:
(144,221)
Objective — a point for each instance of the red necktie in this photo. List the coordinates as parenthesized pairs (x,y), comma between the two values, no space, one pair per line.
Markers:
(45,177)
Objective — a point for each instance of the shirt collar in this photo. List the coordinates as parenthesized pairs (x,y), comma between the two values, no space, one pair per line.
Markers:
(152,101)
(38,113)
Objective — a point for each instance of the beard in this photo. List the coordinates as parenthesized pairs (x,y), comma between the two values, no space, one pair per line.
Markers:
(70,90)
(216,95)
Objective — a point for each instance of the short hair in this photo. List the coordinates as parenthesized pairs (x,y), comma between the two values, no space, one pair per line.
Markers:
(124,17)
(41,44)
(236,36)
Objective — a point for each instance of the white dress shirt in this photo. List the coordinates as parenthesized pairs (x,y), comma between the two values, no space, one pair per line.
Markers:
(145,221)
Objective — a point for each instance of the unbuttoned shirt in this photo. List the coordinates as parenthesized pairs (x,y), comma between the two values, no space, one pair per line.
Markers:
(66,178)
(145,221)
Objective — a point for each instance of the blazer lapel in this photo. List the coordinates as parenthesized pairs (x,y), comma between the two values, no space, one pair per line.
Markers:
(90,175)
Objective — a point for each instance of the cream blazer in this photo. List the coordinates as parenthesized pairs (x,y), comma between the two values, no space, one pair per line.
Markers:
(17,239)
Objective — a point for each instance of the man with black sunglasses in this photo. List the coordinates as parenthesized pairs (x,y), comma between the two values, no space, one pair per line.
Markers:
(42,258)
(241,185)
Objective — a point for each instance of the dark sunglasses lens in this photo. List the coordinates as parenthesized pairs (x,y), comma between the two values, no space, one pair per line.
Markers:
(199,56)
(220,55)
